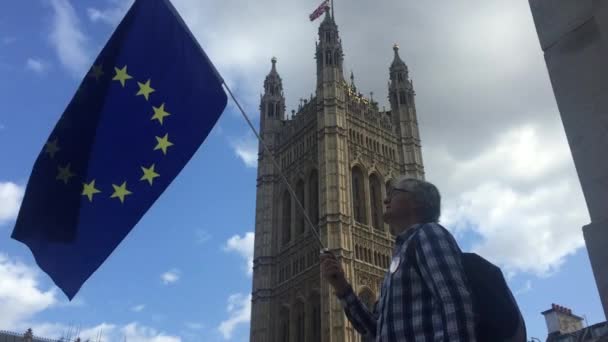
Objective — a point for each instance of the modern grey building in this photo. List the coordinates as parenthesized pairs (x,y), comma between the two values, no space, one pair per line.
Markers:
(574,37)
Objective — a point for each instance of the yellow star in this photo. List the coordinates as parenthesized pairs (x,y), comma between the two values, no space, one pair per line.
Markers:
(96,71)
(159,113)
(89,190)
(144,89)
(149,174)
(120,192)
(163,143)
(51,148)
(121,75)
(64,174)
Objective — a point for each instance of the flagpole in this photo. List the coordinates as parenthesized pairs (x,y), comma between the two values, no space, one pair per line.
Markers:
(332,9)
(276,164)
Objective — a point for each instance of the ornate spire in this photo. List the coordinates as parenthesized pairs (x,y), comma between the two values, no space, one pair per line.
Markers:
(273,84)
(329,52)
(397,62)
(272,104)
(328,19)
(273,60)
(28,336)
(400,87)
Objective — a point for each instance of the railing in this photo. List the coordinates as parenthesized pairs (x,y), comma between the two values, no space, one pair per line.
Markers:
(18,337)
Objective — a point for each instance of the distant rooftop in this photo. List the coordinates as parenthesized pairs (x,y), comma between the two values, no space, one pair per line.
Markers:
(9,336)
(593,333)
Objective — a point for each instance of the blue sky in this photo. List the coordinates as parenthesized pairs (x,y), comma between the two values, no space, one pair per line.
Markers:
(508,182)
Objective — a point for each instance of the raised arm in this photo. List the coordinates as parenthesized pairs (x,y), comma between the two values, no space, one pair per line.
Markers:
(361,318)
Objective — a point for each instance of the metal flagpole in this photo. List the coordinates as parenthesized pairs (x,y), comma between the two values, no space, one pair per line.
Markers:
(276,164)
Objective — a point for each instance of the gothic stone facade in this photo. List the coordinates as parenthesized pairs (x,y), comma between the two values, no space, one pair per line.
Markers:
(338,152)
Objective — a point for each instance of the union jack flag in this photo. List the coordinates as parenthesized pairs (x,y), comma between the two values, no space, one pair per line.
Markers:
(324,6)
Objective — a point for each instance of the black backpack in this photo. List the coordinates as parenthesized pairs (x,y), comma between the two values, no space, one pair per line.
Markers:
(497,315)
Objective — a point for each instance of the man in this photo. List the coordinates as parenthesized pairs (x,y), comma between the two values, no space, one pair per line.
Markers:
(425,295)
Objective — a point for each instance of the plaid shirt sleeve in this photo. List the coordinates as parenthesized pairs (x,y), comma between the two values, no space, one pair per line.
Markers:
(357,313)
(440,264)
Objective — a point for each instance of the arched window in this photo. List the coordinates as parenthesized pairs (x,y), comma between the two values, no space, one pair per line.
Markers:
(367,298)
(328,58)
(286,217)
(300,321)
(270,110)
(376,201)
(328,36)
(284,324)
(313,197)
(301,224)
(315,318)
(402,97)
(277,109)
(359,210)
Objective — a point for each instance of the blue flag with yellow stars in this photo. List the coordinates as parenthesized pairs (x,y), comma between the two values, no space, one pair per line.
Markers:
(146,105)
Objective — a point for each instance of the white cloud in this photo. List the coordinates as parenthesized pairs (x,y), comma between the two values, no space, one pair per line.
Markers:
(20,295)
(526,288)
(489,124)
(36,65)
(138,308)
(11,195)
(21,299)
(68,39)
(111,15)
(239,311)
(520,196)
(57,331)
(137,333)
(170,277)
(244,247)
(106,332)
(246,148)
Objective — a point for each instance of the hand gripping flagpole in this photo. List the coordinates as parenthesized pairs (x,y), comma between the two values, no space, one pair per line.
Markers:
(276,164)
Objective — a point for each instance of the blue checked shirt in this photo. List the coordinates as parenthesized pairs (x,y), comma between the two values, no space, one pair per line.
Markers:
(430,302)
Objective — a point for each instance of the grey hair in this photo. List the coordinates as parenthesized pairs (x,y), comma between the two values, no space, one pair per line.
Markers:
(425,195)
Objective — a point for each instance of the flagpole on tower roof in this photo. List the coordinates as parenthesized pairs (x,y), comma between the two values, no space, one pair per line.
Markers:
(332,9)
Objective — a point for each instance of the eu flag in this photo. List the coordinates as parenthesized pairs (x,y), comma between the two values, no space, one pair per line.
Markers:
(148,102)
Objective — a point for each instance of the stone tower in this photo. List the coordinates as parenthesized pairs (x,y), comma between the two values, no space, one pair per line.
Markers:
(338,151)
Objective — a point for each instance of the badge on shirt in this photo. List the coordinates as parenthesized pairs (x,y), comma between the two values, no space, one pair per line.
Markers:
(394,264)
